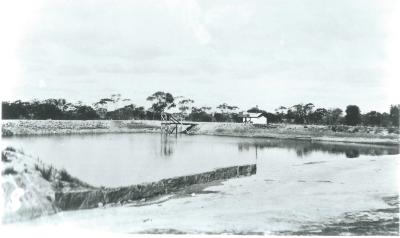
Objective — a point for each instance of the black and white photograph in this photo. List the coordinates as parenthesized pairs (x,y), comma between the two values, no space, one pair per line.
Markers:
(199,118)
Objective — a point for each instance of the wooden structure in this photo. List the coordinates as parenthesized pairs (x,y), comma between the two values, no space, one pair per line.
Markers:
(170,124)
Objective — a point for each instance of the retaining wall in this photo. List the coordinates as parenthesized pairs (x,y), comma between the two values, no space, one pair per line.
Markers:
(92,198)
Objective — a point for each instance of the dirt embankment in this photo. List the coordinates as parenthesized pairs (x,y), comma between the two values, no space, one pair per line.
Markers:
(50,127)
(353,134)
(29,186)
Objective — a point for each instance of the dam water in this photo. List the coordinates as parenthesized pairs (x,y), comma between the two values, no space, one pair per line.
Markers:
(114,160)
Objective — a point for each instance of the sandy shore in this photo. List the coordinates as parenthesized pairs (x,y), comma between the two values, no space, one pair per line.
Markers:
(334,197)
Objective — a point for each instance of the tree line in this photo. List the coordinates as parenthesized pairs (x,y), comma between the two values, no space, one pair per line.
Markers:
(116,107)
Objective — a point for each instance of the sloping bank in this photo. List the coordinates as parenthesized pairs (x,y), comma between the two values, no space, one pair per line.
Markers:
(32,189)
(351,134)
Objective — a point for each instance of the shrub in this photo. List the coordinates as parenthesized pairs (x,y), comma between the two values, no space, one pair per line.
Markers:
(65,176)
(4,157)
(393,130)
(5,132)
(46,173)
(9,148)
(8,171)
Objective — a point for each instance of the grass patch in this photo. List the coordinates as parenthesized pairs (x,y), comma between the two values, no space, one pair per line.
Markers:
(9,171)
(73,182)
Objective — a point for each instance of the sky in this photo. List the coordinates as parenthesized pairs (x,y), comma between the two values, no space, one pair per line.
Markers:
(245,53)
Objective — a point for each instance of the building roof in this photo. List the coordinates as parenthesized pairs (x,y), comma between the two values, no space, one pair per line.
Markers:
(250,115)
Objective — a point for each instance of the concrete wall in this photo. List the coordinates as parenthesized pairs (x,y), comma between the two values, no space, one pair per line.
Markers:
(91,198)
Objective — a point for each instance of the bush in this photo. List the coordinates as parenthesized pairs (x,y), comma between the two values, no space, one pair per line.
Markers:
(8,171)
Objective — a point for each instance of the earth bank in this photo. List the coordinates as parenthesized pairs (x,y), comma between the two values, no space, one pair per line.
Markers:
(354,134)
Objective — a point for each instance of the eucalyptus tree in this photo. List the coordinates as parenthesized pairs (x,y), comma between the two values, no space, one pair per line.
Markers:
(102,106)
(161,101)
(185,105)
(225,108)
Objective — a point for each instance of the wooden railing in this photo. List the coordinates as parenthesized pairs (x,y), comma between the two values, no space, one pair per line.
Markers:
(169,123)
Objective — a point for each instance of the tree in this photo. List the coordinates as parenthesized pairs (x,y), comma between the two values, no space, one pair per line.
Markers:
(290,116)
(47,109)
(281,112)
(394,114)
(333,116)
(353,115)
(86,113)
(308,110)
(161,101)
(225,108)
(127,112)
(116,98)
(254,110)
(227,113)
(271,117)
(15,110)
(318,115)
(185,105)
(372,118)
(302,112)
(200,114)
(102,106)
(385,121)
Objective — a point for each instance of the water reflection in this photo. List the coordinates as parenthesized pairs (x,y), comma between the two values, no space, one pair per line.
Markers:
(139,158)
(168,144)
(305,148)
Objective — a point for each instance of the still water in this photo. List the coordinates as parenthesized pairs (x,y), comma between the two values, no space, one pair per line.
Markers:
(125,159)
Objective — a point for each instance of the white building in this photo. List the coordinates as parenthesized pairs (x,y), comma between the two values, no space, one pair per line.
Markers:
(254,118)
